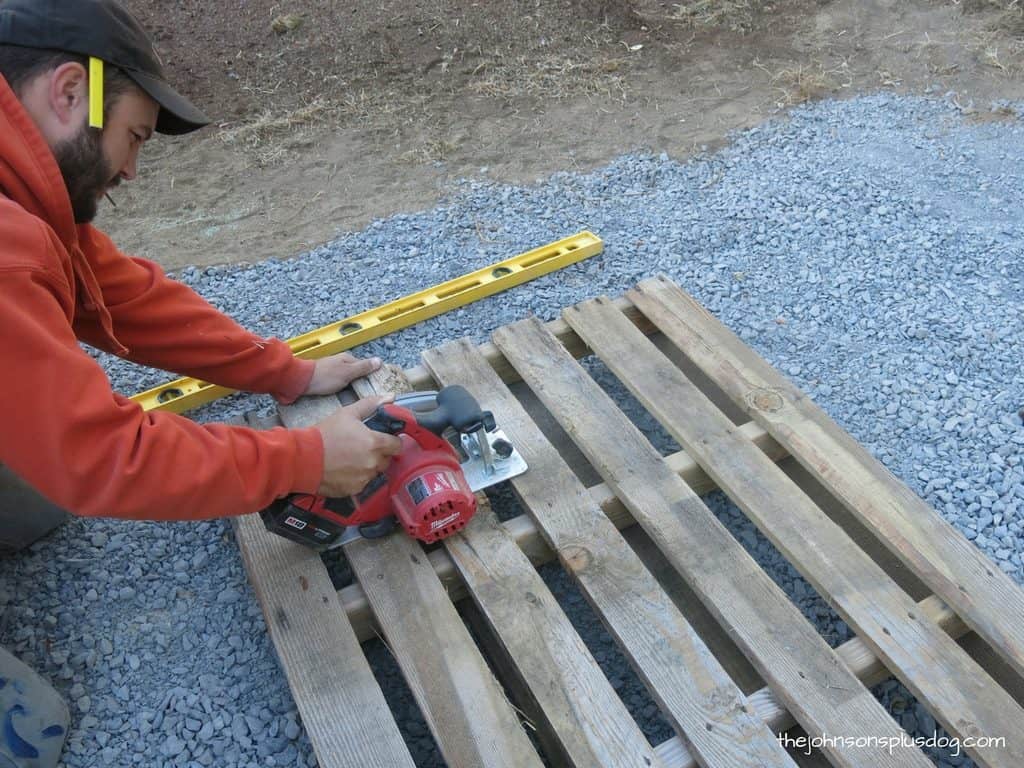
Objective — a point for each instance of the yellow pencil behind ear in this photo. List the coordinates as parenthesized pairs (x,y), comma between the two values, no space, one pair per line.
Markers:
(95,92)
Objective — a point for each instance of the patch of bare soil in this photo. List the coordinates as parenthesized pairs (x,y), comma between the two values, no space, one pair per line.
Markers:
(331,114)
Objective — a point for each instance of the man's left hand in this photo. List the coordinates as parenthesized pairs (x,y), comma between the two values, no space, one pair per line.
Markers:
(332,374)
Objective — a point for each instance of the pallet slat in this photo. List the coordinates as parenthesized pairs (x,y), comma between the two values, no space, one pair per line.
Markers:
(959,693)
(419,377)
(954,568)
(528,538)
(464,706)
(342,707)
(689,683)
(580,706)
(807,675)
(857,656)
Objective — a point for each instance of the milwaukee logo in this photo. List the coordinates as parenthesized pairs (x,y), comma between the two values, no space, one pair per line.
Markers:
(444,521)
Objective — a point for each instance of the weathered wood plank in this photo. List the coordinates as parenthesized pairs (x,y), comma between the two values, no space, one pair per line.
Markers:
(519,692)
(673,752)
(805,674)
(958,692)
(854,653)
(694,691)
(419,377)
(342,707)
(954,568)
(580,705)
(464,706)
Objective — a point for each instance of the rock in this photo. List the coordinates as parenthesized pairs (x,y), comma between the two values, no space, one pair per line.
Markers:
(239,728)
(172,746)
(286,23)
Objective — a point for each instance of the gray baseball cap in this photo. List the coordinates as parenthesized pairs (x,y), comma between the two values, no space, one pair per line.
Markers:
(105,30)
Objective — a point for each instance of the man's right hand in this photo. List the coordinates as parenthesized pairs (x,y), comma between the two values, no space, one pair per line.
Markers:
(353,453)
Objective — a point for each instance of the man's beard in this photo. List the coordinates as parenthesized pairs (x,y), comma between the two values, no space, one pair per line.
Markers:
(86,172)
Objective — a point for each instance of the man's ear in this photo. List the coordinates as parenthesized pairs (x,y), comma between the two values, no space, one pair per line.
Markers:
(69,93)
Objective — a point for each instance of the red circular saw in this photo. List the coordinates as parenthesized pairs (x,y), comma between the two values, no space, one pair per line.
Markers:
(450,449)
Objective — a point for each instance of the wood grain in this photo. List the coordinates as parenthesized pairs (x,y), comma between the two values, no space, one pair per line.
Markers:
(342,707)
(959,693)
(804,673)
(954,568)
(694,691)
(464,706)
(579,704)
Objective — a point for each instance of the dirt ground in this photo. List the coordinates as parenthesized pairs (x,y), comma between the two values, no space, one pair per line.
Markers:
(328,115)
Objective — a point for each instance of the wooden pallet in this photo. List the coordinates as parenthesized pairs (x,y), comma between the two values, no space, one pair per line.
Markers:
(727,657)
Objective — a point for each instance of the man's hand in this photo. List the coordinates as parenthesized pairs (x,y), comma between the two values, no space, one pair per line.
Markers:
(353,453)
(332,374)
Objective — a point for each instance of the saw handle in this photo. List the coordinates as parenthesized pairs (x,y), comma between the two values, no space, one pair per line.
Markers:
(458,409)
(389,419)
(455,408)
(396,420)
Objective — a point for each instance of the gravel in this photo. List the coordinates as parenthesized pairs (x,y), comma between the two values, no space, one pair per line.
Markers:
(869,248)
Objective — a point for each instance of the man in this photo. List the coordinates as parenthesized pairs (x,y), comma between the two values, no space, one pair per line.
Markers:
(85,448)
(81,91)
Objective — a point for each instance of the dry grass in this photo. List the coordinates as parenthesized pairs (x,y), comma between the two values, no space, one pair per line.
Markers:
(265,134)
(990,57)
(1008,15)
(271,135)
(555,76)
(734,15)
(367,106)
(998,39)
(802,83)
(595,65)
(433,151)
(888,79)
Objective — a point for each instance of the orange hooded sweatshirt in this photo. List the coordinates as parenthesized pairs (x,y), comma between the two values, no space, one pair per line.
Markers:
(62,428)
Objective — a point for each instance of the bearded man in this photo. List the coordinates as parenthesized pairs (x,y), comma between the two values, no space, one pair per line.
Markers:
(82,90)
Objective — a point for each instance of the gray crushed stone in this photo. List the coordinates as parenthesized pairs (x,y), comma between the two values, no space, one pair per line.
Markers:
(870,249)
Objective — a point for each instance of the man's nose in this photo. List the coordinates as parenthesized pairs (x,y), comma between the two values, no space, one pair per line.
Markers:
(130,169)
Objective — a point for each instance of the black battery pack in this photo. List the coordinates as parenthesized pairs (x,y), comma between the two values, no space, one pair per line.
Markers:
(300,525)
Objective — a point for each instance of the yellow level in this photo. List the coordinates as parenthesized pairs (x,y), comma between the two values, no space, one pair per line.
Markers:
(184,394)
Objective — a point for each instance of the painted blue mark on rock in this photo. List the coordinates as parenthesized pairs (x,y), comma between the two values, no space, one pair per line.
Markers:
(53,730)
(18,746)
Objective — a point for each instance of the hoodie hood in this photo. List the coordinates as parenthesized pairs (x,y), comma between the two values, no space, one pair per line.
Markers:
(30,178)
(29,175)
